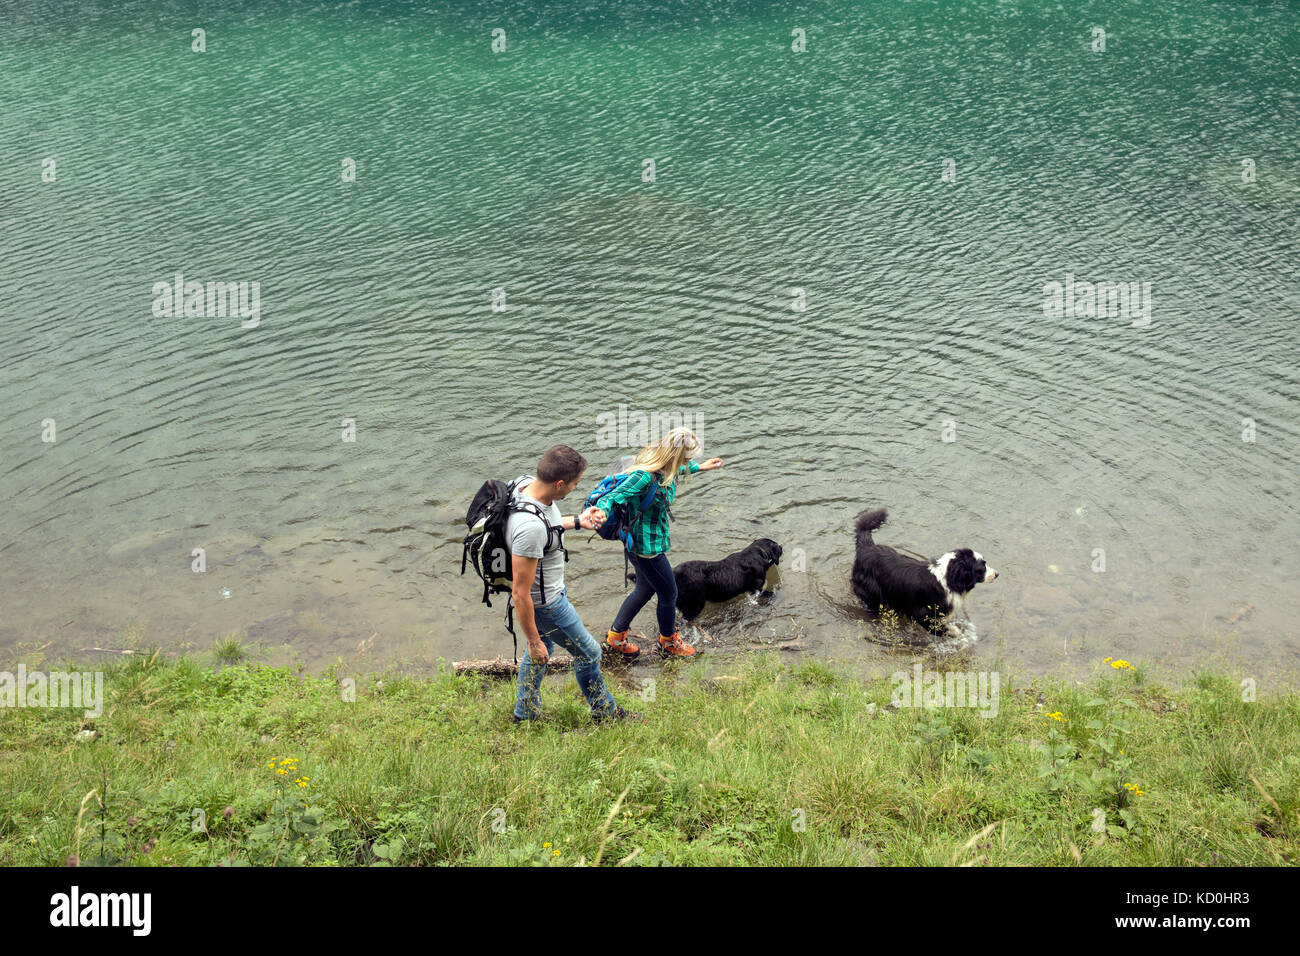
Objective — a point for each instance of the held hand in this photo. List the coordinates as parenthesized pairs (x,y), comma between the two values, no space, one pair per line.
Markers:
(711,464)
(592,518)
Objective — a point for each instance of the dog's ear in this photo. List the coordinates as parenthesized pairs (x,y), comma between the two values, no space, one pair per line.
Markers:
(770,549)
(961,571)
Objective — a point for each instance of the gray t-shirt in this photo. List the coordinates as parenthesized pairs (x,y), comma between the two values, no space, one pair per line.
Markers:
(528,538)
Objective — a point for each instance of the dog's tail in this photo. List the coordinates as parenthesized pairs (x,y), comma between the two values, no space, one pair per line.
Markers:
(868,522)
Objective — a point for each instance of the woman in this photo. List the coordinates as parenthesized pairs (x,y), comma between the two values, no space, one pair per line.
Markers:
(665,462)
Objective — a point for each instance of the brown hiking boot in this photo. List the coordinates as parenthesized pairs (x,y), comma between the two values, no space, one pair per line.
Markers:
(617,641)
(675,647)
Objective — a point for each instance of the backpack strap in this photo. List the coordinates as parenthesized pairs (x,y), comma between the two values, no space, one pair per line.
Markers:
(510,626)
(559,533)
(654,486)
(510,609)
(645,503)
(554,532)
(551,531)
(627,535)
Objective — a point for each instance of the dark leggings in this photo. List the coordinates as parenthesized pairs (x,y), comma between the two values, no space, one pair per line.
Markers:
(653,576)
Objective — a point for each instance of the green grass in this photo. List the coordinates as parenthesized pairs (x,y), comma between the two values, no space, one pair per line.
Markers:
(767,764)
(229,650)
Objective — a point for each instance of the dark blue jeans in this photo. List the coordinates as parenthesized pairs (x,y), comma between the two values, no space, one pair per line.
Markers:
(653,576)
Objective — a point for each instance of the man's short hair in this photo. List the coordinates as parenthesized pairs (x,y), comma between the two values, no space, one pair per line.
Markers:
(560,463)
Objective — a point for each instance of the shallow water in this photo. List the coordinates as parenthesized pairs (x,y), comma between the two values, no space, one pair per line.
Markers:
(775,171)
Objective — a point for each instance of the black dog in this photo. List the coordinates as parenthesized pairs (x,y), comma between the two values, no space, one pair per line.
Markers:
(739,572)
(928,592)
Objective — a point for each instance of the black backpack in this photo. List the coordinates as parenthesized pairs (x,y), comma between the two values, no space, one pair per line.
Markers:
(488,546)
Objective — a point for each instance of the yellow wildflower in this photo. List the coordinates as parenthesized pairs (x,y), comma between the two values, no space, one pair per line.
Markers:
(546,846)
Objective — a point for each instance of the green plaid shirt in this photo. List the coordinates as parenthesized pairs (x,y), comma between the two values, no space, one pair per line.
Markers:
(649,530)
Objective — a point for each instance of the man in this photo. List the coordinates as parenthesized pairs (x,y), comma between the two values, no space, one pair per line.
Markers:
(549,619)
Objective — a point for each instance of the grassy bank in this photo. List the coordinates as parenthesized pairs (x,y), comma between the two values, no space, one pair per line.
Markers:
(765,763)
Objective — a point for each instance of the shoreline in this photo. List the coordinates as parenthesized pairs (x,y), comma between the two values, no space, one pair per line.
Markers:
(774,761)
(859,654)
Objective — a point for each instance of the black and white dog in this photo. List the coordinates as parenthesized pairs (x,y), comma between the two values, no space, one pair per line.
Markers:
(928,592)
(738,573)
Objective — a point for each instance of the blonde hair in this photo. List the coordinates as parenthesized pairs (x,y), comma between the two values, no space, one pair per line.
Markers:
(673,450)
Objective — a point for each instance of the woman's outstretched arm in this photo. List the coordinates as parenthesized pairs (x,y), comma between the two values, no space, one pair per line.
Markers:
(694,466)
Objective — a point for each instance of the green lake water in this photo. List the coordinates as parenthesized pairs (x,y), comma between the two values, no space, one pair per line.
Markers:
(523,170)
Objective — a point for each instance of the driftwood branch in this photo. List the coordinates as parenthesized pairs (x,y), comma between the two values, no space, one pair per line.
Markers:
(501,668)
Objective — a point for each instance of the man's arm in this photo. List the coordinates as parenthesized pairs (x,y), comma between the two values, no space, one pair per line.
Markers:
(588,520)
(522,572)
